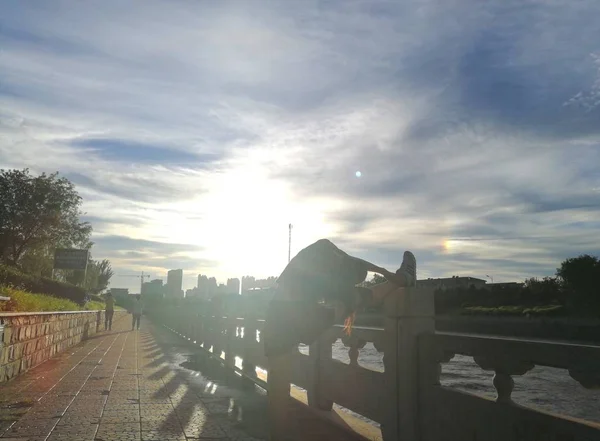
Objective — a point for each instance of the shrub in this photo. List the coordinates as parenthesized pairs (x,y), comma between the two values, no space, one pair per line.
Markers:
(42,285)
(516,311)
(95,298)
(22,301)
(94,306)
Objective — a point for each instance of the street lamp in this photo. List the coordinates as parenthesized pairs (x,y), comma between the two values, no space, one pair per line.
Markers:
(490,277)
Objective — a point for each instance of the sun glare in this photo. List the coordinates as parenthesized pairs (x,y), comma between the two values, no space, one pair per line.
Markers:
(242,223)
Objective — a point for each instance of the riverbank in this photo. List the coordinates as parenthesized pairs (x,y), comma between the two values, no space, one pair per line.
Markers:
(555,328)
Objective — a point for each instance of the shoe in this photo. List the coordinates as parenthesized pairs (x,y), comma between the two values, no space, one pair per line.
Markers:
(409,269)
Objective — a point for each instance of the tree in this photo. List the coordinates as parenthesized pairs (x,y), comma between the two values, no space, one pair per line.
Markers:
(97,276)
(374,281)
(580,277)
(38,213)
(542,292)
(105,273)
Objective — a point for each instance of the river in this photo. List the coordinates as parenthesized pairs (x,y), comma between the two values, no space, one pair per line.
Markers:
(543,387)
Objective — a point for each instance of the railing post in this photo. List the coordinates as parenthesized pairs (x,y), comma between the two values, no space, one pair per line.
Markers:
(320,354)
(278,395)
(409,312)
(250,344)
(230,336)
(216,333)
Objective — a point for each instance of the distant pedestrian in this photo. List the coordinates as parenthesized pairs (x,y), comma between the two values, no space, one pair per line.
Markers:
(109,311)
(138,308)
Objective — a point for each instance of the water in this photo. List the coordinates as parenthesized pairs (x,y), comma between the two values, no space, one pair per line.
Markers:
(543,387)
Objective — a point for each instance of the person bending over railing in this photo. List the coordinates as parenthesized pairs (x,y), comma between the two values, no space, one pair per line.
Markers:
(318,276)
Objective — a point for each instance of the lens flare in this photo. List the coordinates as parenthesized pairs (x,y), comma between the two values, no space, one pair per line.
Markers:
(358,174)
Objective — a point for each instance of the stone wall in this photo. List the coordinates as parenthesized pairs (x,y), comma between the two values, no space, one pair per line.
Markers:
(29,339)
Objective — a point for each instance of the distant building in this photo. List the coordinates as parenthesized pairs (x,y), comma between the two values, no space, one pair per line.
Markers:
(504,285)
(174,283)
(249,283)
(119,291)
(452,282)
(233,286)
(154,288)
(259,294)
(207,287)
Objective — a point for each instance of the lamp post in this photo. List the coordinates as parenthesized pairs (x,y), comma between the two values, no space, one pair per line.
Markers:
(290,244)
(491,278)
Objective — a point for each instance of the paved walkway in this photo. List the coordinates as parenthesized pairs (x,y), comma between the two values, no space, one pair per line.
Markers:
(141,385)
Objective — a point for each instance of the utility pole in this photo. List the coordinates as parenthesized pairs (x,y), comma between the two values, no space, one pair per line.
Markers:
(290,244)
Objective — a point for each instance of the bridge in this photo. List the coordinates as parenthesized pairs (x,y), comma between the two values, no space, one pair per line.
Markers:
(194,374)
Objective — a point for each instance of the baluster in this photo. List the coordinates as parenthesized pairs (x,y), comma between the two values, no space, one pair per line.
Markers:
(586,373)
(354,344)
(320,354)
(504,368)
(230,336)
(249,339)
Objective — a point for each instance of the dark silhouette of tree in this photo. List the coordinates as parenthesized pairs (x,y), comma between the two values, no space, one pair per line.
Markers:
(38,213)
(580,277)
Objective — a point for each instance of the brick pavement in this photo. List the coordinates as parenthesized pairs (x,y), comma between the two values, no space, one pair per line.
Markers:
(125,385)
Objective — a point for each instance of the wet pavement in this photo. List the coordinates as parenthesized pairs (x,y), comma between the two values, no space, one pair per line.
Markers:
(141,385)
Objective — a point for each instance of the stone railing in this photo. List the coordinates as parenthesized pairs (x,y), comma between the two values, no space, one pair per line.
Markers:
(30,338)
(407,399)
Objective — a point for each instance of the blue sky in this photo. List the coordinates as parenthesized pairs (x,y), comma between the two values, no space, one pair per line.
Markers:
(197,131)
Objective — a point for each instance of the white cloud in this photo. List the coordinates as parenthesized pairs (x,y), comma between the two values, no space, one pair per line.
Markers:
(452,111)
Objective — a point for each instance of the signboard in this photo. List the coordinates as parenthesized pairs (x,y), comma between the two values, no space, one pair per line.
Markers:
(70,259)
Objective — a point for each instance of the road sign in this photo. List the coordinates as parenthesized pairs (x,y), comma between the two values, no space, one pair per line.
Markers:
(70,259)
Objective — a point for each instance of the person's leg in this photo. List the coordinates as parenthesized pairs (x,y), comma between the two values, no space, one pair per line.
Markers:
(132,322)
(408,271)
(139,318)
(106,320)
(110,319)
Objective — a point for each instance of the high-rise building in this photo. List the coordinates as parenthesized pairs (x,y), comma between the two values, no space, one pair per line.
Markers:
(174,283)
(153,288)
(233,286)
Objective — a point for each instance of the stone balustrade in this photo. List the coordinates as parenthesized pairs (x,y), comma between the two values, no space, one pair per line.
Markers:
(28,339)
(407,399)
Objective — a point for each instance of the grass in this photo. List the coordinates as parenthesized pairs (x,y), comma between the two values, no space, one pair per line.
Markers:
(23,301)
(516,311)
(93,305)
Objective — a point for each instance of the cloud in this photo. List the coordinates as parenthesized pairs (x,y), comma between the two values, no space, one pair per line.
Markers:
(475,126)
(135,151)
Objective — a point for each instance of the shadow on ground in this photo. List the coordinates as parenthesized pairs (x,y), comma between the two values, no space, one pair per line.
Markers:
(207,396)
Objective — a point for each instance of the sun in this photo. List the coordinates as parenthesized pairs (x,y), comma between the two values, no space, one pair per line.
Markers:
(244,224)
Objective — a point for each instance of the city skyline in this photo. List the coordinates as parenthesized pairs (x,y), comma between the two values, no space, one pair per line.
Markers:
(197,132)
(187,281)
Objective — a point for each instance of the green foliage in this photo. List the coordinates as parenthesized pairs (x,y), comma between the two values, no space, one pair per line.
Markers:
(581,280)
(97,276)
(23,301)
(94,306)
(374,281)
(11,277)
(38,213)
(516,311)
(105,273)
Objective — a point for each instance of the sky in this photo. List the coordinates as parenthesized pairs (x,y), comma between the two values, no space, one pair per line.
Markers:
(197,131)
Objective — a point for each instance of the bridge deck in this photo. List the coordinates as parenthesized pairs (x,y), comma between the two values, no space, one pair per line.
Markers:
(143,385)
